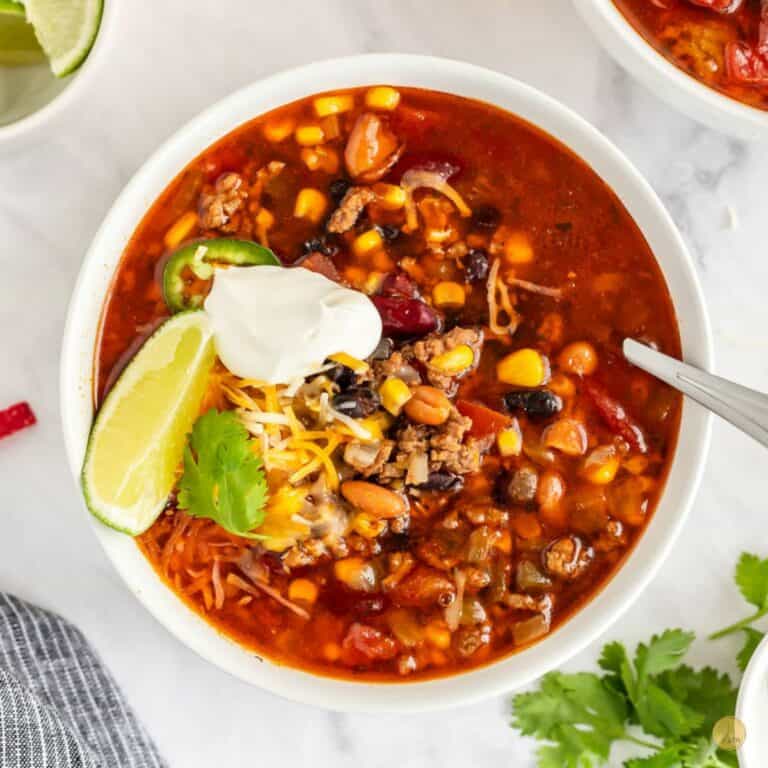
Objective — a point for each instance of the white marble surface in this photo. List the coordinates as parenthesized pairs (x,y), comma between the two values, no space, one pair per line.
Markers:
(165,66)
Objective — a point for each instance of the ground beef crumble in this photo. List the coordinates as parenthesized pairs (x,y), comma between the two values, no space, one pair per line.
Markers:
(219,208)
(429,348)
(352,205)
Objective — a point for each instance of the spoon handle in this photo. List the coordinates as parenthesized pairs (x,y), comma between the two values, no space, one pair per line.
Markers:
(745,408)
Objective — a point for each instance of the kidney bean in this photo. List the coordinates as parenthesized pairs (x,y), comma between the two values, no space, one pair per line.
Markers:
(399,284)
(405,317)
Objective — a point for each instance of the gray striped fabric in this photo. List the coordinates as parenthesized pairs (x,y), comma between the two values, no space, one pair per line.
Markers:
(59,707)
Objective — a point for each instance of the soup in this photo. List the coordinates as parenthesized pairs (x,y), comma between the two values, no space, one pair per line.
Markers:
(722,43)
(479,475)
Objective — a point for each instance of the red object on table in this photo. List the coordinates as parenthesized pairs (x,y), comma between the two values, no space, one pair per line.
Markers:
(16,417)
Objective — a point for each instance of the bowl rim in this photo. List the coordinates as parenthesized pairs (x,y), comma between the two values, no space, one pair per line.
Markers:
(31,124)
(679,89)
(581,138)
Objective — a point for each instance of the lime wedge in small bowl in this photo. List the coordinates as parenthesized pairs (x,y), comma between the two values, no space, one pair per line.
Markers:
(137,441)
(66,30)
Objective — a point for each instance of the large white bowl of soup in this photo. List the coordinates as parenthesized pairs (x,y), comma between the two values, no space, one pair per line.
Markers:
(702,57)
(485,485)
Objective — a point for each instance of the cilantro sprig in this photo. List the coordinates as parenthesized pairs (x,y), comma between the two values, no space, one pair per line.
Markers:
(651,700)
(223,479)
(751,578)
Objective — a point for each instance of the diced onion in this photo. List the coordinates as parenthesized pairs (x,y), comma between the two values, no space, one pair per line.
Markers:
(453,611)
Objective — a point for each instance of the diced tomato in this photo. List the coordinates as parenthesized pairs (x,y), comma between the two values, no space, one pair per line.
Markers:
(320,263)
(615,415)
(747,63)
(16,417)
(363,644)
(485,421)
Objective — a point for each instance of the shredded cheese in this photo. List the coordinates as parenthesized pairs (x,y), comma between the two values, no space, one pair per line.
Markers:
(496,286)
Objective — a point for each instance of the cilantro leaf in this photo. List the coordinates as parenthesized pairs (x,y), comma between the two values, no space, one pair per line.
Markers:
(223,479)
(752,579)
(578,712)
(711,694)
(666,758)
(752,638)
(663,652)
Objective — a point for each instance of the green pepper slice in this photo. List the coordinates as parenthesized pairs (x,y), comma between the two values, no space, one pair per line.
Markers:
(199,258)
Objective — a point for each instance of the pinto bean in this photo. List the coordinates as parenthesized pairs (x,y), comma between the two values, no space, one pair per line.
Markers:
(374,499)
(428,405)
(424,587)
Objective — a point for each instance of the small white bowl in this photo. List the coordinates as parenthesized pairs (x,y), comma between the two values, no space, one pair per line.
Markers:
(752,709)
(31,97)
(676,87)
(464,80)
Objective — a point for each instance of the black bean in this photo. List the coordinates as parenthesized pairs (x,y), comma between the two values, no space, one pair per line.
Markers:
(486,217)
(476,265)
(537,404)
(338,188)
(384,349)
(443,481)
(342,376)
(357,402)
(319,245)
(388,232)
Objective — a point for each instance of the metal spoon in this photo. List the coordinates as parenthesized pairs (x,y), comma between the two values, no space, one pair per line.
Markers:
(745,408)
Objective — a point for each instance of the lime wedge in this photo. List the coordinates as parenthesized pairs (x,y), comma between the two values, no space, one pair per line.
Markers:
(11,7)
(137,441)
(18,44)
(66,29)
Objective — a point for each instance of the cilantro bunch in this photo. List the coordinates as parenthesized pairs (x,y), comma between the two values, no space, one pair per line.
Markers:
(582,715)
(223,478)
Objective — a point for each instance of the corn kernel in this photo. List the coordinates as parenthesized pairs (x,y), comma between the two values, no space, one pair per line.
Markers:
(303,590)
(368,527)
(309,135)
(180,230)
(394,395)
(454,361)
(331,651)
(372,283)
(369,242)
(510,440)
(342,358)
(310,204)
(518,249)
(438,636)
(524,368)
(382,97)
(448,295)
(333,105)
(601,466)
(376,425)
(279,130)
(390,197)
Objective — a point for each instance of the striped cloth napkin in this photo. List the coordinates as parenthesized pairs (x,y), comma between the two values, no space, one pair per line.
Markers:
(59,707)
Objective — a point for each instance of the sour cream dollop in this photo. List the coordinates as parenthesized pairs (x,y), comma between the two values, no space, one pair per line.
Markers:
(277,324)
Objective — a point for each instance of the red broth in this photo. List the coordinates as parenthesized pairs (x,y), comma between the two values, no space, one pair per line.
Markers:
(506,545)
(720,49)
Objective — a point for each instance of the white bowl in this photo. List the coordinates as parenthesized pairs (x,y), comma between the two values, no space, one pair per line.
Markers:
(752,709)
(676,87)
(607,161)
(31,98)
